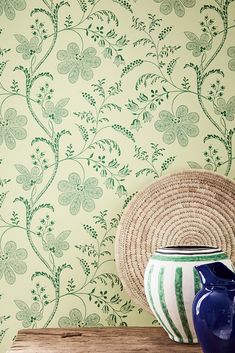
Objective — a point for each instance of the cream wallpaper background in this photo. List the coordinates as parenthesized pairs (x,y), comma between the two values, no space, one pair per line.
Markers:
(97,99)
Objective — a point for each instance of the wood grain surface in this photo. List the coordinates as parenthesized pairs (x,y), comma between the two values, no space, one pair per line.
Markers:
(99,340)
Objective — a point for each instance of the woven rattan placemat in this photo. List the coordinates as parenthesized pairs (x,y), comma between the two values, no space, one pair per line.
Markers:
(185,208)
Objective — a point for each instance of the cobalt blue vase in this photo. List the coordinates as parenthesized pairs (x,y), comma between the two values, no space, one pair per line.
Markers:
(214,308)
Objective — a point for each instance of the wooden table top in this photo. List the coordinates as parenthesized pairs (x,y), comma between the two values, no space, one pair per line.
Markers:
(99,340)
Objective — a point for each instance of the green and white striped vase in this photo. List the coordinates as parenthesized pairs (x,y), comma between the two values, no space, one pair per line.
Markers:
(171,284)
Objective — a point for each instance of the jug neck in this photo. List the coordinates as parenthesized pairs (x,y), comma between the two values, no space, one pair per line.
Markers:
(216,274)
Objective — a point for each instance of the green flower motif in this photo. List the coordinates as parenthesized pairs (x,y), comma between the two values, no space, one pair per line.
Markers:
(121,190)
(28,315)
(198,45)
(136,125)
(57,245)
(75,319)
(181,125)
(11,128)
(26,178)
(75,63)
(231,54)
(75,194)
(178,5)
(9,7)
(28,48)
(56,112)
(11,262)
(226,110)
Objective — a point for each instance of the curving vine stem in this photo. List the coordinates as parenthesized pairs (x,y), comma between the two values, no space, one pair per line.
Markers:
(227,135)
(54,144)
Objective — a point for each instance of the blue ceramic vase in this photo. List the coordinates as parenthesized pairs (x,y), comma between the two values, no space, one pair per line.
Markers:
(214,309)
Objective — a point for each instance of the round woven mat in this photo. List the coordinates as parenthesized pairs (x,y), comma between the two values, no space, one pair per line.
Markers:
(185,208)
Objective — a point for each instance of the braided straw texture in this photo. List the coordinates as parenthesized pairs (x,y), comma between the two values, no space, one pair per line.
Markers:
(185,208)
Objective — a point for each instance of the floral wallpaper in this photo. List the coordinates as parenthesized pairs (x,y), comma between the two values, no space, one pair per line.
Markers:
(98,98)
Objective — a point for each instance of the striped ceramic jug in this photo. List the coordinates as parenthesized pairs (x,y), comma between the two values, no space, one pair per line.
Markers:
(171,283)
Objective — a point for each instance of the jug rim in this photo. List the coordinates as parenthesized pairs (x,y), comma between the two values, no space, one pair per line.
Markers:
(216,274)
